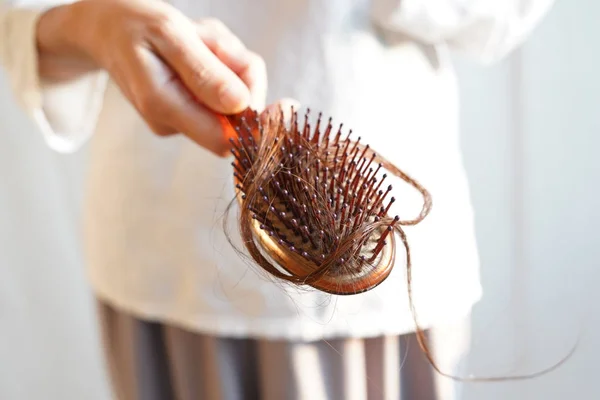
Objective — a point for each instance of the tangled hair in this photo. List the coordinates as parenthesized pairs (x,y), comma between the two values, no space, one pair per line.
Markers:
(314,207)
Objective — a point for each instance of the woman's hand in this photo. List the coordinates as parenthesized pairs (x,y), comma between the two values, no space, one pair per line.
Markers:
(177,73)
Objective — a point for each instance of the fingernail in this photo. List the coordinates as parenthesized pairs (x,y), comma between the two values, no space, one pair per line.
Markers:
(234,96)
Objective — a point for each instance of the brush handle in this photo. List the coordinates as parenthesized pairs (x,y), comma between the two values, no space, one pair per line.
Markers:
(247,120)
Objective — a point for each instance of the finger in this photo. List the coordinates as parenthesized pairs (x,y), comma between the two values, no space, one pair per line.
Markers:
(255,76)
(196,121)
(249,66)
(223,43)
(168,106)
(141,79)
(208,79)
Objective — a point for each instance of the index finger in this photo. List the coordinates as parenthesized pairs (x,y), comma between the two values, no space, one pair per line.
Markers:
(249,66)
(208,79)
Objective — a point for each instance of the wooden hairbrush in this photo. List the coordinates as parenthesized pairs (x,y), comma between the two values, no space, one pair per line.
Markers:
(313,205)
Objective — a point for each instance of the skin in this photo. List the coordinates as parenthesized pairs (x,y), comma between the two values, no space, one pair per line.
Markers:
(179,74)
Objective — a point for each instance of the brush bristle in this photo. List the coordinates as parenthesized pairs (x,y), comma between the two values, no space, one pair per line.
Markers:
(315,191)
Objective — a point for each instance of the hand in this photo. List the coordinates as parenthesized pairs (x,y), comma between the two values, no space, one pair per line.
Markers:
(177,73)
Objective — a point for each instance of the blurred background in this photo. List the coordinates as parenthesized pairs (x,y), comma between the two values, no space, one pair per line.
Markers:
(530,140)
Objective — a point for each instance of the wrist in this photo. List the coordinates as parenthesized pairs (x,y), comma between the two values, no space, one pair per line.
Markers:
(62,42)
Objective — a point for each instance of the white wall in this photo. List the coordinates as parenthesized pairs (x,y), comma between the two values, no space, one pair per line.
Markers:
(530,140)
(48,341)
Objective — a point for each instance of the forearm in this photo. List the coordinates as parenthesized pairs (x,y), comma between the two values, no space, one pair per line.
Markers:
(59,36)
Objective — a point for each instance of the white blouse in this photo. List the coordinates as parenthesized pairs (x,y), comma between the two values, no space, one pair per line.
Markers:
(153,230)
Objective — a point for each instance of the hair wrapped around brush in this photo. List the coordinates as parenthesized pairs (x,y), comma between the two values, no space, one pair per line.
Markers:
(314,202)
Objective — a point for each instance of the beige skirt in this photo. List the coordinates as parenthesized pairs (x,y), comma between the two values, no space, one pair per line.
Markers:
(153,361)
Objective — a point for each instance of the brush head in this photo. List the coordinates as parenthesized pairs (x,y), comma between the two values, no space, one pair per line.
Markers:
(313,202)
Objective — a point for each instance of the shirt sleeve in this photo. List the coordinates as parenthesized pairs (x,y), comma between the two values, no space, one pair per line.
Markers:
(484,29)
(66,113)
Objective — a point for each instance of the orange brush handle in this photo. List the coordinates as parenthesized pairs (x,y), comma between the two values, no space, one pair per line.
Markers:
(247,120)
(226,127)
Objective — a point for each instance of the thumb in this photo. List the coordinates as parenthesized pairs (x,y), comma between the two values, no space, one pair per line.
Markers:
(281,108)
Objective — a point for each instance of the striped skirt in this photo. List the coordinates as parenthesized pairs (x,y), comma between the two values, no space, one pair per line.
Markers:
(154,361)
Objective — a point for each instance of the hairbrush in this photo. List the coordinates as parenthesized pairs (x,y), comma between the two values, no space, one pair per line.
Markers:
(314,203)
(314,209)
